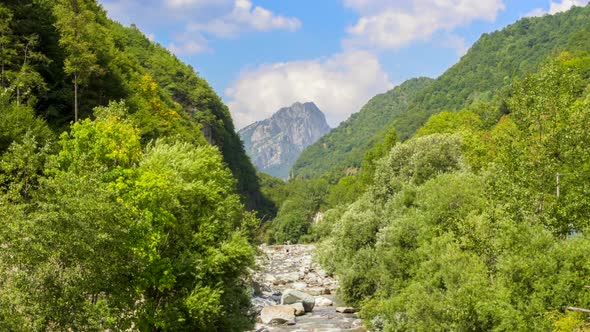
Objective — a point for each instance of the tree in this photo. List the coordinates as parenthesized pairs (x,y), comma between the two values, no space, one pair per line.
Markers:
(7,50)
(112,235)
(27,78)
(76,24)
(371,157)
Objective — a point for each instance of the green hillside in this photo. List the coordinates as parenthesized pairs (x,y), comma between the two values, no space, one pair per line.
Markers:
(120,175)
(464,227)
(165,96)
(345,145)
(490,65)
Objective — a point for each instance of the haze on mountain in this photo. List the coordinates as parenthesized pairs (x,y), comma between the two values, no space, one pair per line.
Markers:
(275,143)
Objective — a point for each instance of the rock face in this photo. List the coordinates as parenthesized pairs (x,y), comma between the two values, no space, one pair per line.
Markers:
(275,144)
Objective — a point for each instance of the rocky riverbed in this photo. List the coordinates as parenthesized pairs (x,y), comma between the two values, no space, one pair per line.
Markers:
(292,293)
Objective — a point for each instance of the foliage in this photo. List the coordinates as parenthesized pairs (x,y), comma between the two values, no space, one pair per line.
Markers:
(301,203)
(165,96)
(463,228)
(107,234)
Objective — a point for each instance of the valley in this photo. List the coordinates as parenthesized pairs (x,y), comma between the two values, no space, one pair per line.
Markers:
(130,202)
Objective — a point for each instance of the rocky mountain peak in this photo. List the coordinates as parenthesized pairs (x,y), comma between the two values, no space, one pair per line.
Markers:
(274,144)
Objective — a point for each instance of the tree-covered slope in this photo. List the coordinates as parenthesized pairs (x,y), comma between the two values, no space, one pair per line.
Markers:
(345,146)
(490,65)
(165,96)
(464,226)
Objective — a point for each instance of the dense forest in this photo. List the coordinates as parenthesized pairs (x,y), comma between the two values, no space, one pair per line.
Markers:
(124,190)
(77,53)
(469,226)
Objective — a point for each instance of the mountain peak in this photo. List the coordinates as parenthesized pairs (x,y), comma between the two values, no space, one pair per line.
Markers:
(275,143)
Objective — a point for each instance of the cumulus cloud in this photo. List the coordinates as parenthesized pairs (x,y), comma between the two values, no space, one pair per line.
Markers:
(557,7)
(340,85)
(391,24)
(246,16)
(198,19)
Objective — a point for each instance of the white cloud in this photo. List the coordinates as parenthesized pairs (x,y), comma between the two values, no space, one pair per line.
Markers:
(245,16)
(390,24)
(189,44)
(198,19)
(557,7)
(340,85)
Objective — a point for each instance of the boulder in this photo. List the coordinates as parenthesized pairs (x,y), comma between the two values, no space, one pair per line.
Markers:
(291,296)
(299,309)
(277,315)
(346,310)
(323,302)
(286,278)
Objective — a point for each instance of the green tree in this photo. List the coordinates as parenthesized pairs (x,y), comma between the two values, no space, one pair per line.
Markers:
(7,49)
(380,150)
(26,78)
(76,24)
(124,236)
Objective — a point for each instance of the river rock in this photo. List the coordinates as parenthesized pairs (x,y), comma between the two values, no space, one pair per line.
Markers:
(258,303)
(346,310)
(323,302)
(277,315)
(291,296)
(299,309)
(299,286)
(286,278)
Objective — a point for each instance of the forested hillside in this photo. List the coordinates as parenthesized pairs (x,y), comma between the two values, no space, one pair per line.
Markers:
(482,75)
(469,226)
(112,62)
(119,179)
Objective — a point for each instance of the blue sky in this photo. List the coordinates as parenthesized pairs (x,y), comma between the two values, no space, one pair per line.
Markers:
(260,55)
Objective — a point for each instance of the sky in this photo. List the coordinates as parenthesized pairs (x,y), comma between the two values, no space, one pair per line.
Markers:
(261,55)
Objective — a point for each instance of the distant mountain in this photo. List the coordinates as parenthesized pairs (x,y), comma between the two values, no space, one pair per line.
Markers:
(491,64)
(275,143)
